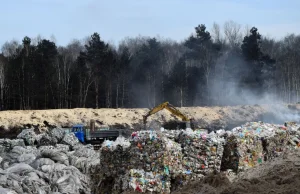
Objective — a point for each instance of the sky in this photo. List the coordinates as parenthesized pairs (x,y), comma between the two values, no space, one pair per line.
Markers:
(116,19)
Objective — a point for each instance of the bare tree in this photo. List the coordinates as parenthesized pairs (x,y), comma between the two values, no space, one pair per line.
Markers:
(232,31)
(246,30)
(216,33)
(68,55)
(11,48)
(2,80)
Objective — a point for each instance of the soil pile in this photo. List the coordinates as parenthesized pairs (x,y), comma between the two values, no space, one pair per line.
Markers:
(204,117)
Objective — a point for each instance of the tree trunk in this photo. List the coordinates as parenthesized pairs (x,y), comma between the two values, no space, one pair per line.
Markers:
(117,92)
(97,93)
(181,97)
(123,93)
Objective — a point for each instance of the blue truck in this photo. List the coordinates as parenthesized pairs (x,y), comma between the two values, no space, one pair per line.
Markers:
(93,135)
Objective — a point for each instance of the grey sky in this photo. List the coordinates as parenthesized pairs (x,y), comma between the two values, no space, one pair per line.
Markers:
(116,19)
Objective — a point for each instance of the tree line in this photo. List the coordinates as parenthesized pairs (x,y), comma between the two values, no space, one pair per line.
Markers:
(222,66)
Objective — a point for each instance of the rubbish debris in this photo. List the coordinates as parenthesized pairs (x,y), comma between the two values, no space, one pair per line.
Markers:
(44,163)
(159,161)
(156,161)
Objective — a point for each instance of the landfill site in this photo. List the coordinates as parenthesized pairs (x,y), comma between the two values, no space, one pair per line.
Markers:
(233,149)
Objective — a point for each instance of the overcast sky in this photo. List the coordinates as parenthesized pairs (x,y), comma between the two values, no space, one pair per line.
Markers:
(116,19)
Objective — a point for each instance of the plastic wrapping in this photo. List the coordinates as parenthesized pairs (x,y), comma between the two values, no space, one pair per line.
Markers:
(44,167)
(28,135)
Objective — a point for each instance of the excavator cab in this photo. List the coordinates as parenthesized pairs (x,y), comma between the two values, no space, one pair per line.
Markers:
(172,109)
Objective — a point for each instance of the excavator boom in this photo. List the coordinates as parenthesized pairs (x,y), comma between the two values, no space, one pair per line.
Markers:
(170,108)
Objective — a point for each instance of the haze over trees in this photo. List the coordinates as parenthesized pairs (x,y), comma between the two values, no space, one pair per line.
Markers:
(225,65)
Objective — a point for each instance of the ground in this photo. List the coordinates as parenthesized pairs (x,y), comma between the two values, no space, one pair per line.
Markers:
(129,118)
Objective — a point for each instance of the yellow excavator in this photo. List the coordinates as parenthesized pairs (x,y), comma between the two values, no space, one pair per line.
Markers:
(170,108)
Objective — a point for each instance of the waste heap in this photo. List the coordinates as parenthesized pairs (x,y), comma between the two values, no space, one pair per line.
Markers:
(256,142)
(115,159)
(202,152)
(153,160)
(53,162)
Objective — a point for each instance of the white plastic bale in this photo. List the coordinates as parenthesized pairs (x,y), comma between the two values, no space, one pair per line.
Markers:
(13,184)
(56,155)
(53,168)
(58,134)
(19,168)
(70,139)
(66,184)
(16,142)
(28,135)
(46,139)
(37,164)
(26,158)
(7,191)
(84,152)
(62,147)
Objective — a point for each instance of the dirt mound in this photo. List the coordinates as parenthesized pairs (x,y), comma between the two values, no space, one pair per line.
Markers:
(204,117)
(279,176)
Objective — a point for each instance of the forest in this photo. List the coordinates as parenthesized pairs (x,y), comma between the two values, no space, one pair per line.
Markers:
(228,64)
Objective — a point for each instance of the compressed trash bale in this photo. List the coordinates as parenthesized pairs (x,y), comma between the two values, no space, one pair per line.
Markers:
(7,191)
(70,139)
(277,144)
(254,143)
(56,155)
(58,134)
(41,162)
(48,169)
(46,139)
(202,152)
(116,162)
(28,135)
(62,147)
(26,158)
(148,171)
(19,169)
(155,159)
(6,145)
(17,142)
(230,159)
(250,152)
(85,159)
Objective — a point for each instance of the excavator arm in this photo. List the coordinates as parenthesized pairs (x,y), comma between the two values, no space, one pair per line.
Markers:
(170,108)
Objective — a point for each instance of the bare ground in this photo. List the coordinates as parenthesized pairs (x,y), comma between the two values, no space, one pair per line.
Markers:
(128,118)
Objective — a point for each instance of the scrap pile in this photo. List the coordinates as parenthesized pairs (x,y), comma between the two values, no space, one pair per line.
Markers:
(52,162)
(255,142)
(202,152)
(158,161)
(154,159)
(115,157)
(144,162)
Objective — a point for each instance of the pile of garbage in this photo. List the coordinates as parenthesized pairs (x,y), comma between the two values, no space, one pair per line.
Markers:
(202,151)
(151,160)
(160,161)
(256,142)
(53,162)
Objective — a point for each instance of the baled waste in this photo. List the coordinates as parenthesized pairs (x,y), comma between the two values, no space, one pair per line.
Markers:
(53,162)
(161,161)
(148,161)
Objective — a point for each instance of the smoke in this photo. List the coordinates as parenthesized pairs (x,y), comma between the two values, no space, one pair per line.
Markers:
(228,85)
(228,89)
